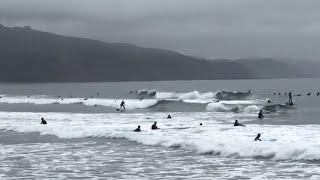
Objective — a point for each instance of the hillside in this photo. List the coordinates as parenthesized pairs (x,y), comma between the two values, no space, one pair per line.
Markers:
(27,55)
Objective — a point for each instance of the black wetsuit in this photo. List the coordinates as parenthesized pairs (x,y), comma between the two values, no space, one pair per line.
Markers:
(260,115)
(43,121)
(290,97)
(122,105)
(257,138)
(154,126)
(137,130)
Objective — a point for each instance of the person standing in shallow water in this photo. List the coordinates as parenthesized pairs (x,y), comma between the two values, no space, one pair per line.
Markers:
(154,126)
(43,121)
(260,115)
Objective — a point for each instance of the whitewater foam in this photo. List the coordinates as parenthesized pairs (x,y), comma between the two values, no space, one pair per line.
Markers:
(278,142)
(188,95)
(217,107)
(130,103)
(193,101)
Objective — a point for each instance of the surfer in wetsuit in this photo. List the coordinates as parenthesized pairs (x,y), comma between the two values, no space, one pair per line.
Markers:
(154,126)
(43,121)
(138,129)
(260,115)
(318,93)
(122,105)
(290,98)
(236,123)
(257,137)
(169,117)
(269,101)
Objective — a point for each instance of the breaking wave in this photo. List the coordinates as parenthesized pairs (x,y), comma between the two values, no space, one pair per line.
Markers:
(226,95)
(155,105)
(220,95)
(203,140)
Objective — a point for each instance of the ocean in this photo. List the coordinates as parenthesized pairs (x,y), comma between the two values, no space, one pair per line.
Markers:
(88,136)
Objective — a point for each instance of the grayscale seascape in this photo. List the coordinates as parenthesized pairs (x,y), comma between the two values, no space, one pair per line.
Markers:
(90,139)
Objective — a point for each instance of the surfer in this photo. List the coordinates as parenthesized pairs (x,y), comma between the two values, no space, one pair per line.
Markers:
(318,93)
(98,93)
(154,126)
(260,115)
(257,137)
(309,94)
(216,100)
(290,98)
(269,101)
(43,121)
(249,91)
(275,93)
(169,117)
(279,94)
(236,123)
(122,105)
(138,129)
(200,124)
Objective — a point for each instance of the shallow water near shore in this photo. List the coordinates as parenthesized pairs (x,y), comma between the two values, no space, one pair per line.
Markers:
(88,138)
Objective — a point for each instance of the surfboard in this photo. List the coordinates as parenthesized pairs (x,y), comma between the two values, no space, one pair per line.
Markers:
(289,104)
(121,110)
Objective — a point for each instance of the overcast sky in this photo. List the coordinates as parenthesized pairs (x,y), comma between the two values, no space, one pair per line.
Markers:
(203,28)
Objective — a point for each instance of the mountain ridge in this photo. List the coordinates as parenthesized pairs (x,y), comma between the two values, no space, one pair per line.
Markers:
(28,55)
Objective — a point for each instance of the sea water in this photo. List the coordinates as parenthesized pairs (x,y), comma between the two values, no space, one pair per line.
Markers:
(88,136)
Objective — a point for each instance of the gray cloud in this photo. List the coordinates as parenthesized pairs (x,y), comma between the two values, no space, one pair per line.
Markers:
(205,28)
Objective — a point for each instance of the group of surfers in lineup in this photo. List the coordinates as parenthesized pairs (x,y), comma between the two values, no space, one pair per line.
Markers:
(309,94)
(236,123)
